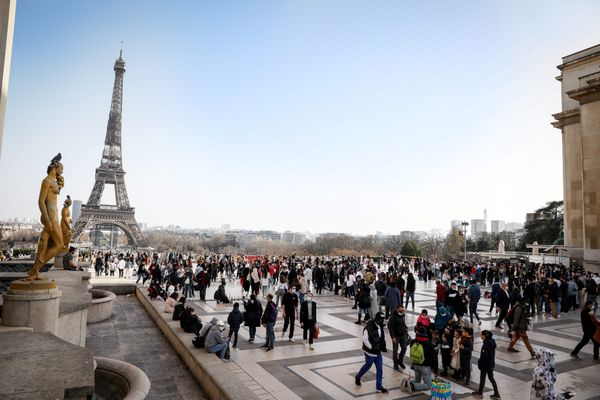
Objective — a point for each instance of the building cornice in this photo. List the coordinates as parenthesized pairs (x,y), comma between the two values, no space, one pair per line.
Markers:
(566,118)
(588,93)
(579,61)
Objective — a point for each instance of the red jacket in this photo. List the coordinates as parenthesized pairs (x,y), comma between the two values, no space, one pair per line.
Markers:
(440,292)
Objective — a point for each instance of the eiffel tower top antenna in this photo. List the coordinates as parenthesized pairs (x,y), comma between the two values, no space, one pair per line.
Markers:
(121,52)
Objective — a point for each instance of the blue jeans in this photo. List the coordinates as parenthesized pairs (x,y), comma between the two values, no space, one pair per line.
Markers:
(422,372)
(270,335)
(369,360)
(218,348)
(301,297)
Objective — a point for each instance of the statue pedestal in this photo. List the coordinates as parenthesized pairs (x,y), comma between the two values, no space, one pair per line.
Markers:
(32,303)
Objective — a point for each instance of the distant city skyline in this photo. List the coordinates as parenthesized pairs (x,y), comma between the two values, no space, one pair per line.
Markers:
(316,116)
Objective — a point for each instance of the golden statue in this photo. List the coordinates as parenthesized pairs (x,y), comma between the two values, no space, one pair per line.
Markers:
(65,222)
(51,238)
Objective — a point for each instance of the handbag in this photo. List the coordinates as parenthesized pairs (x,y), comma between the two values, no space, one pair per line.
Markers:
(316,331)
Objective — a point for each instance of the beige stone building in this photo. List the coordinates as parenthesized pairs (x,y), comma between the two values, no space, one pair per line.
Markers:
(579,122)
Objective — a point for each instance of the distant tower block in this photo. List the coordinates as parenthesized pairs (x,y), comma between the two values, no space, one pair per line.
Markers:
(111,172)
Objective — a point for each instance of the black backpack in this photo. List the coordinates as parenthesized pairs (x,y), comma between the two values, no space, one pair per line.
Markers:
(199,341)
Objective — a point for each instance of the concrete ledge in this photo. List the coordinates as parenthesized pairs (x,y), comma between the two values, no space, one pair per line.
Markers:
(101,308)
(118,289)
(139,384)
(39,365)
(216,380)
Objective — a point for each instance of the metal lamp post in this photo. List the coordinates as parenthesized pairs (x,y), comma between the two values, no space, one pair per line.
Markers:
(464,225)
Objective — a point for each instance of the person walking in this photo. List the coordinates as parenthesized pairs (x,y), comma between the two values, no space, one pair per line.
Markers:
(410,290)
(253,313)
(308,318)
(121,266)
(452,300)
(268,320)
(364,302)
(289,306)
(440,294)
(519,326)
(234,320)
(474,294)
(373,344)
(590,326)
(399,334)
(486,364)
(553,297)
(392,299)
(503,303)
(494,296)
(99,264)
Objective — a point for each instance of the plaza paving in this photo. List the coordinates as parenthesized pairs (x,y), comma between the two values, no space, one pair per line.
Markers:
(292,371)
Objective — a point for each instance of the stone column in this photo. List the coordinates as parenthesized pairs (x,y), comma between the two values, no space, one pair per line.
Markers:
(590,127)
(33,304)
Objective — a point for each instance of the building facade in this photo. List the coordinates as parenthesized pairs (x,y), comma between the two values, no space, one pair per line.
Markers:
(478,226)
(579,122)
(498,226)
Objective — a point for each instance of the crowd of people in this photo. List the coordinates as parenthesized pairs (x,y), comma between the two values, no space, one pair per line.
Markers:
(381,289)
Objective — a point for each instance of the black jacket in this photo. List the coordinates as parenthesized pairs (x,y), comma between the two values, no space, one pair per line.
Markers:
(289,301)
(397,325)
(410,284)
(235,319)
(587,323)
(487,358)
(304,313)
(502,299)
(253,313)
(270,313)
(453,299)
(554,292)
(377,342)
(178,311)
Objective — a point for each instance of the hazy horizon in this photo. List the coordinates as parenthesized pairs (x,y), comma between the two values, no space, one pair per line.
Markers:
(335,116)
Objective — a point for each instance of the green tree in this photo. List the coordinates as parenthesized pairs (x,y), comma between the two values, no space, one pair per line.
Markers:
(546,226)
(454,244)
(411,248)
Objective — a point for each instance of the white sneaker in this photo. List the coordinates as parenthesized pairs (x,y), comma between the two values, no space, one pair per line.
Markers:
(282,334)
(310,346)
(292,340)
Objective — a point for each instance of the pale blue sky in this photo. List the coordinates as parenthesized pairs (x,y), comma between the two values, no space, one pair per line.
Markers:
(344,116)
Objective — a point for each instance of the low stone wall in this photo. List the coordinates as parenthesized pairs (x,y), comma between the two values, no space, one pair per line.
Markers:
(216,380)
(101,308)
(139,384)
(118,288)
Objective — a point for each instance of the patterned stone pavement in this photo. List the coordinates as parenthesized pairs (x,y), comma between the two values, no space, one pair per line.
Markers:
(292,371)
(131,336)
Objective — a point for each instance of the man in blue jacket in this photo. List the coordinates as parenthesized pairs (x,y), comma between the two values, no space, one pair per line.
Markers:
(474,297)
(268,320)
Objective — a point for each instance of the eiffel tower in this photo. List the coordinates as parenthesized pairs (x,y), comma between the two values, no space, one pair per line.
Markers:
(111,172)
